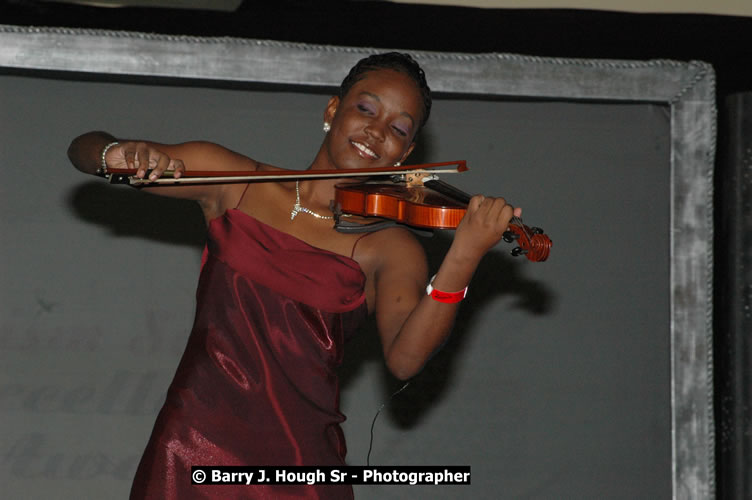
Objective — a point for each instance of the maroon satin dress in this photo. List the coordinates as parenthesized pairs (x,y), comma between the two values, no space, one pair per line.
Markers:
(257,382)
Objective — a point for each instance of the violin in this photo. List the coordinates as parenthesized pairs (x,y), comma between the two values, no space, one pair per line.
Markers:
(414,197)
(424,201)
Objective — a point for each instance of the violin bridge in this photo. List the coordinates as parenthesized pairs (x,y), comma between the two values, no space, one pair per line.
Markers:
(417,178)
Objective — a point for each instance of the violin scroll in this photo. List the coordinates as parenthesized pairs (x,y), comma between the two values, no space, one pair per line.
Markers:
(531,241)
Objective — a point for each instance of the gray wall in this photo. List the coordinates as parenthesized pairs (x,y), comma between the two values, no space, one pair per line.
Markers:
(555,384)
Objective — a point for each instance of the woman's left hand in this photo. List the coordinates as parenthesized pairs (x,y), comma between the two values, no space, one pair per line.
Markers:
(484,224)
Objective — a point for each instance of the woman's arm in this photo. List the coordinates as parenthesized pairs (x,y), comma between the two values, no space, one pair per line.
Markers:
(85,152)
(413,325)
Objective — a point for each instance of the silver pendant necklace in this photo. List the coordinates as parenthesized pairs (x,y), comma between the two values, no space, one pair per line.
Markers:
(296,209)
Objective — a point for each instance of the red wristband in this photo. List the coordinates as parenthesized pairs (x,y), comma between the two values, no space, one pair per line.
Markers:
(445,297)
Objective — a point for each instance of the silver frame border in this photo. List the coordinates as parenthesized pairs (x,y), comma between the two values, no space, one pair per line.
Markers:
(688,88)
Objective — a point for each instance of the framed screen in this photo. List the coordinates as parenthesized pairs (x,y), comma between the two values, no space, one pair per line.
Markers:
(586,376)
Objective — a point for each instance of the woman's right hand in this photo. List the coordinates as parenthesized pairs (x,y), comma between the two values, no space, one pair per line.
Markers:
(154,159)
(144,158)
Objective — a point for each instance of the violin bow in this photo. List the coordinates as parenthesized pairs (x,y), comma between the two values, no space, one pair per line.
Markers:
(128,175)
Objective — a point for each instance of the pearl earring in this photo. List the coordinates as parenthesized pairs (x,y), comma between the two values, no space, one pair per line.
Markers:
(327,127)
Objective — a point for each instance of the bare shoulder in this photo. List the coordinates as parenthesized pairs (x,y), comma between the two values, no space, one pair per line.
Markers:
(394,263)
(393,250)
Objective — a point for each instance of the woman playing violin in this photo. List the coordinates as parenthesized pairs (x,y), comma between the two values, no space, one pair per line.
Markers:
(281,290)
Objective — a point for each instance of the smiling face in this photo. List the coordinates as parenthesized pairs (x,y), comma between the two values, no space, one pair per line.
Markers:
(375,123)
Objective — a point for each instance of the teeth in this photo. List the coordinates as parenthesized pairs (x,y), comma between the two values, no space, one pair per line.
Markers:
(365,149)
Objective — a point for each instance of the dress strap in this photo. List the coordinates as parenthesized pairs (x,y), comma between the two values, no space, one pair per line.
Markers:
(363,235)
(242,196)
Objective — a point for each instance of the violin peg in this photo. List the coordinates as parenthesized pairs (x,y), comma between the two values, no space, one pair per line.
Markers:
(510,236)
(517,251)
(536,230)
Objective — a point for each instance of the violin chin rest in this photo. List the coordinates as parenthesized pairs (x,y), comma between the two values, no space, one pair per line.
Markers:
(352,227)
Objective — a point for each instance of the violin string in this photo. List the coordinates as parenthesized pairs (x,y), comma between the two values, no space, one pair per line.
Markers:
(518,221)
(373,423)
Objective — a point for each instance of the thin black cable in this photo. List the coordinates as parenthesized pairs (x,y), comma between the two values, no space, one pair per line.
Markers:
(370,445)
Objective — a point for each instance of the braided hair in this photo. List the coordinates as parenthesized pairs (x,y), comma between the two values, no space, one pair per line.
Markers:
(396,61)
